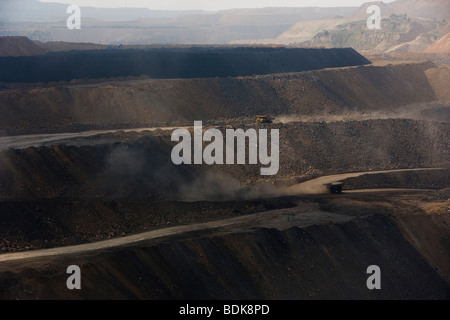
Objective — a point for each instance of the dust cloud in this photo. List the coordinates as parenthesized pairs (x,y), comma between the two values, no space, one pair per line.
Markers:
(219,187)
(433,111)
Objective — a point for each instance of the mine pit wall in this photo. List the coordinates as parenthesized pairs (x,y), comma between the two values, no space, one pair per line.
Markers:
(117,187)
(31,225)
(142,168)
(173,63)
(439,78)
(327,261)
(432,179)
(430,234)
(181,101)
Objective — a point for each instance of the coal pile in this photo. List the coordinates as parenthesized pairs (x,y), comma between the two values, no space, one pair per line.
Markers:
(165,63)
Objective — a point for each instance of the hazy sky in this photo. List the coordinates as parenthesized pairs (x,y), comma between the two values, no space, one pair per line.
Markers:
(212,5)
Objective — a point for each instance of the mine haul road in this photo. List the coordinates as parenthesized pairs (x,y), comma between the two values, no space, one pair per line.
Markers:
(42,139)
(279,218)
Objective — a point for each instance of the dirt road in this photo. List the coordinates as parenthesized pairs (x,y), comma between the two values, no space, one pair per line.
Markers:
(317,186)
(303,215)
(37,140)
(280,219)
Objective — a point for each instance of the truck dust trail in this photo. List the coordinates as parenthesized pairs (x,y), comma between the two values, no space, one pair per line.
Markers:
(271,218)
(434,111)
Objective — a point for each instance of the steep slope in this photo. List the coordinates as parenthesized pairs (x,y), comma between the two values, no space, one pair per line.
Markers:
(398,33)
(140,167)
(153,102)
(441,46)
(327,261)
(19,46)
(306,30)
(173,62)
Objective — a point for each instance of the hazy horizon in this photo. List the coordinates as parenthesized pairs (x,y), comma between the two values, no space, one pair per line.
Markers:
(211,5)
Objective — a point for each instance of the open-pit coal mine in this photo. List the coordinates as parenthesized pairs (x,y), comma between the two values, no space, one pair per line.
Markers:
(87,176)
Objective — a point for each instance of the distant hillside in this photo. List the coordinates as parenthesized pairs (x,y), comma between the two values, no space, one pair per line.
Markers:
(19,46)
(386,10)
(398,33)
(266,16)
(406,26)
(441,46)
(428,9)
(131,26)
(306,30)
(34,10)
(57,46)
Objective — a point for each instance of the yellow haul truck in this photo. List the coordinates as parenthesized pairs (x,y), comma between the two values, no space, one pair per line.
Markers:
(263,119)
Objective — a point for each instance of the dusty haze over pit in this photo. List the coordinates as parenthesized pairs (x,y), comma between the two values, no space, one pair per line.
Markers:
(86,175)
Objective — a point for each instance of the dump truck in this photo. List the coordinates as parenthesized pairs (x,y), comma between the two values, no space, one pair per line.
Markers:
(335,187)
(263,119)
